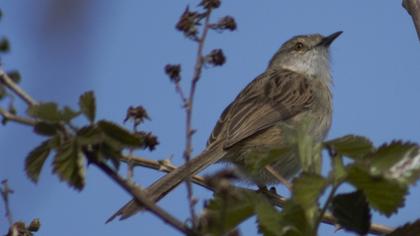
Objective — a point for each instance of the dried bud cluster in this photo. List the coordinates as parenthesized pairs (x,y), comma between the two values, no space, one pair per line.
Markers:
(216,57)
(174,72)
(225,23)
(137,114)
(188,23)
(150,140)
(210,4)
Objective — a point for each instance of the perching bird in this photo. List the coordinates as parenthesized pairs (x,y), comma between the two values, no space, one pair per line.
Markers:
(295,88)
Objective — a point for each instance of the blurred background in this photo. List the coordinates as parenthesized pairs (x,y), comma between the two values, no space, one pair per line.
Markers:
(119,48)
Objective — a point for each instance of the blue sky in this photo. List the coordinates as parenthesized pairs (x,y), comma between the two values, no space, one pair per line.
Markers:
(119,49)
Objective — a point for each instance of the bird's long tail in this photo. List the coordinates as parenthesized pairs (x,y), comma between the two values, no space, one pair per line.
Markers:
(165,184)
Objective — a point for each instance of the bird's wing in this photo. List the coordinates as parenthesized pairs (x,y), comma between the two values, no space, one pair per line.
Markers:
(273,97)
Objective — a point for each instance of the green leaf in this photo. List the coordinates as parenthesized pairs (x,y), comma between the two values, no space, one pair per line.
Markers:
(352,212)
(398,160)
(227,209)
(67,114)
(46,128)
(68,164)
(352,146)
(268,218)
(383,194)
(120,135)
(35,160)
(4,45)
(294,221)
(87,105)
(90,135)
(306,190)
(110,153)
(45,111)
(410,229)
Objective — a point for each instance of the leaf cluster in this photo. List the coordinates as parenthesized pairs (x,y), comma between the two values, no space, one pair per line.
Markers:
(380,177)
(71,147)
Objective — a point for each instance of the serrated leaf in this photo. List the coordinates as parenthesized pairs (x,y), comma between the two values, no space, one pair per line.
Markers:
(120,135)
(410,229)
(35,160)
(87,105)
(226,210)
(45,128)
(352,146)
(294,221)
(68,164)
(45,111)
(4,45)
(398,160)
(307,188)
(385,195)
(352,212)
(268,219)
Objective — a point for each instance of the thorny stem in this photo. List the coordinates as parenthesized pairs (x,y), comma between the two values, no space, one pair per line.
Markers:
(141,198)
(189,130)
(138,196)
(327,218)
(5,191)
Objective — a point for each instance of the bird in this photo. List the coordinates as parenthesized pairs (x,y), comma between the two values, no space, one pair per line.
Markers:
(295,88)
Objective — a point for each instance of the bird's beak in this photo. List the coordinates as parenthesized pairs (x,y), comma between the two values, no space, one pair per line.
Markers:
(326,41)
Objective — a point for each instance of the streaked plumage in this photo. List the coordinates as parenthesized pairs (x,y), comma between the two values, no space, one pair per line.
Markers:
(295,87)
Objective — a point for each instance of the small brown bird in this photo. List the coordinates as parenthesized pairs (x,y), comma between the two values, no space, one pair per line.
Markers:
(295,88)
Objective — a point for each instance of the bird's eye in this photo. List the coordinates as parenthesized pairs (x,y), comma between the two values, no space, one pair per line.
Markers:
(299,46)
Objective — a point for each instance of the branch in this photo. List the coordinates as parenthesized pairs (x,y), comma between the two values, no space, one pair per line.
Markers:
(163,166)
(278,200)
(189,106)
(5,191)
(8,82)
(413,8)
(18,119)
(141,198)
(280,178)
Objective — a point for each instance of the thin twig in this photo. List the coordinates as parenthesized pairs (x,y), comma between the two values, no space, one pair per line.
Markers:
(278,200)
(280,178)
(8,82)
(19,119)
(142,199)
(163,166)
(189,106)
(5,191)
(181,93)
(413,8)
